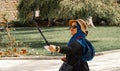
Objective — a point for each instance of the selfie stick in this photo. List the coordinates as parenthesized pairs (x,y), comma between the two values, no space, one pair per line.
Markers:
(41,33)
(36,24)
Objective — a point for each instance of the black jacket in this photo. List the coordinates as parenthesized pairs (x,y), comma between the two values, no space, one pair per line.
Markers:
(73,56)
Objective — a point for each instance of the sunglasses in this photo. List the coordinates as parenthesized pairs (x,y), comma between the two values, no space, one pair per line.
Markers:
(73,27)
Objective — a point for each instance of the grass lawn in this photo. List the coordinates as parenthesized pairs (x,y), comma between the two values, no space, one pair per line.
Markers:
(102,38)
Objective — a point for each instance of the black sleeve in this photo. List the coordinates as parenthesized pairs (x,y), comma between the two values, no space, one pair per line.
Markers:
(74,48)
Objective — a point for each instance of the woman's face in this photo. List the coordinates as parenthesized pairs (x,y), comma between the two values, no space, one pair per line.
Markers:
(73,28)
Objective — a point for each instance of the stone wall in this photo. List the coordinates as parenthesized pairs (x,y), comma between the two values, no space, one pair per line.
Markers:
(8,9)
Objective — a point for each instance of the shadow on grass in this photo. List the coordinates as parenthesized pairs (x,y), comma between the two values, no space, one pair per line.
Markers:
(25,28)
(42,29)
(94,41)
(3,45)
(19,33)
(29,30)
(41,44)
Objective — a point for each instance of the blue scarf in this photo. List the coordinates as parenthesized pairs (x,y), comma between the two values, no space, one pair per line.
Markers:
(88,50)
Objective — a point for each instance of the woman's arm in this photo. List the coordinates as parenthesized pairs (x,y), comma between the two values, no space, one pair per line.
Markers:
(74,48)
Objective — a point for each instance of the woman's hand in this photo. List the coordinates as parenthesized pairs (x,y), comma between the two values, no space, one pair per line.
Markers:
(63,58)
(52,48)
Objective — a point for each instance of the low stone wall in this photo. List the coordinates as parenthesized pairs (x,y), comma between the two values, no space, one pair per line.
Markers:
(8,9)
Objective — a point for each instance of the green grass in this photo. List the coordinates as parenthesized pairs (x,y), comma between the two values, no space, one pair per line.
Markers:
(102,38)
(105,38)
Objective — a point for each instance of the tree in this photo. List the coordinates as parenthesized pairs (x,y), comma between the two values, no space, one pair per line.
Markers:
(48,8)
(71,9)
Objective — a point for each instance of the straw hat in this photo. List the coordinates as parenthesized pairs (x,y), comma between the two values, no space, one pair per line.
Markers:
(71,21)
(82,24)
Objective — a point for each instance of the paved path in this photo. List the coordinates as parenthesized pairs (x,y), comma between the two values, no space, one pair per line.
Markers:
(107,62)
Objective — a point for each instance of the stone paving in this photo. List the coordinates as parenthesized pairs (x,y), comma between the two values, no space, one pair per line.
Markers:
(109,61)
(106,62)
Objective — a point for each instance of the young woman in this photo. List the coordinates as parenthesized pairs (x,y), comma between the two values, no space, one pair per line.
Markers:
(78,51)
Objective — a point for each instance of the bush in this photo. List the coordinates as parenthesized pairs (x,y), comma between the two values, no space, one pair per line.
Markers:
(101,10)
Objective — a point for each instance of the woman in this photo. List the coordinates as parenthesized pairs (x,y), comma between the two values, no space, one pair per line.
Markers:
(78,51)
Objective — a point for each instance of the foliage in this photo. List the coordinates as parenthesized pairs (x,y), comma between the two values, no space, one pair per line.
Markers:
(47,8)
(12,47)
(106,10)
(100,10)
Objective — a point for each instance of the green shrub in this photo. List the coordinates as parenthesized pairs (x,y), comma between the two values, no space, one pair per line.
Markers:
(100,10)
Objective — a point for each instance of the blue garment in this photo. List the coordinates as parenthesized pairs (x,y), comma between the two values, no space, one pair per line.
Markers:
(88,50)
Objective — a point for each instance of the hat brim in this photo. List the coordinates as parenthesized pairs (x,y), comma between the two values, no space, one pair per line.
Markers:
(71,21)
